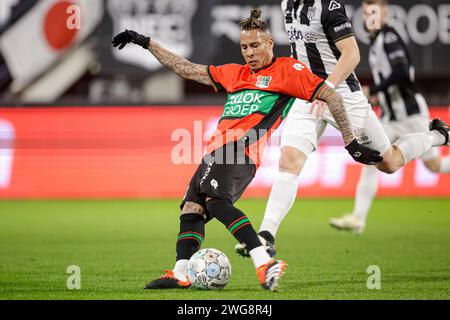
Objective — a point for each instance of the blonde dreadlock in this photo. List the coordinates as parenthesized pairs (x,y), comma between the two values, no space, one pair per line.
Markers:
(253,22)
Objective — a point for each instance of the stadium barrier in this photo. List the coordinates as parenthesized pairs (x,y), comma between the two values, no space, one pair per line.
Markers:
(137,152)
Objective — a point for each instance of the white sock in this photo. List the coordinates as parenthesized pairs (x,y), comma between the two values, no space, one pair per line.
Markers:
(366,190)
(281,199)
(259,256)
(180,269)
(445,165)
(413,145)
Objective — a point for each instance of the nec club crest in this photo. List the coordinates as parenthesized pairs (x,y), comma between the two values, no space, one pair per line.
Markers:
(263,81)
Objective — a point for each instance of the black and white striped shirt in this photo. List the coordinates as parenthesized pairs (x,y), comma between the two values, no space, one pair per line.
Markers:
(393,74)
(313,28)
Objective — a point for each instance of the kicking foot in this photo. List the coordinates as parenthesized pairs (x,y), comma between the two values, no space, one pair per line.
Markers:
(167,281)
(267,241)
(270,273)
(348,223)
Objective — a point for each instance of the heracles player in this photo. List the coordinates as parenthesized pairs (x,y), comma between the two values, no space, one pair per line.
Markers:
(321,36)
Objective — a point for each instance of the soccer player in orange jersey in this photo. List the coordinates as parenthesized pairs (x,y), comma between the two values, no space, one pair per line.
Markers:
(260,94)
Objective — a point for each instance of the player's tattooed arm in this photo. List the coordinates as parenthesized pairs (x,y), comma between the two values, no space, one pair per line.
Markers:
(180,65)
(337,109)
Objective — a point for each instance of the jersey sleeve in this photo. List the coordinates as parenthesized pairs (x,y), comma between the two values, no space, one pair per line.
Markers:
(223,77)
(335,22)
(395,48)
(300,82)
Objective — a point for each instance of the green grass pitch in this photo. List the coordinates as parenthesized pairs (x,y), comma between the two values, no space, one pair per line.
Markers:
(121,245)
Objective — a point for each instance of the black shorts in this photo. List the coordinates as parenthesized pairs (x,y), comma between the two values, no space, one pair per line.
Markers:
(219,180)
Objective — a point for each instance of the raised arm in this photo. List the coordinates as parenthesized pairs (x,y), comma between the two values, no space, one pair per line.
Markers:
(174,62)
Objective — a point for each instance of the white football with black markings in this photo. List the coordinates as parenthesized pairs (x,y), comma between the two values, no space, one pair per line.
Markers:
(209,269)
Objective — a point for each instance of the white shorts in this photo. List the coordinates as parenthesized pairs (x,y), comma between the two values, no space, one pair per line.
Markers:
(302,130)
(412,124)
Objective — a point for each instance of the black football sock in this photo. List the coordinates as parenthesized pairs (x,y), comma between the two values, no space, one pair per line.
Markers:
(190,238)
(235,221)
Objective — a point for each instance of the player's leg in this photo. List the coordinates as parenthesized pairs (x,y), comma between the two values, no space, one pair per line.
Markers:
(370,132)
(189,240)
(301,132)
(405,149)
(284,188)
(223,186)
(367,187)
(238,224)
(366,191)
(268,271)
(414,145)
(434,162)
(190,237)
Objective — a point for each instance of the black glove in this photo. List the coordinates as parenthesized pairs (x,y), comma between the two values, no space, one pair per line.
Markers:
(362,153)
(128,36)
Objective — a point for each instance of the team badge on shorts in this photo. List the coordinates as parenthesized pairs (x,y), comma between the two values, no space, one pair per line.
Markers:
(361,136)
(311,13)
(263,81)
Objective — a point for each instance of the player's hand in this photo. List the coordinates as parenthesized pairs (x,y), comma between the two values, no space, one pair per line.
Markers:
(318,107)
(362,153)
(127,36)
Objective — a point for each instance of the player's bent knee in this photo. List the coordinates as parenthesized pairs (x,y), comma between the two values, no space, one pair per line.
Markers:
(192,207)
(292,160)
(215,205)
(392,161)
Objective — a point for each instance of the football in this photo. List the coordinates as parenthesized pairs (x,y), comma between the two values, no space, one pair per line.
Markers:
(209,269)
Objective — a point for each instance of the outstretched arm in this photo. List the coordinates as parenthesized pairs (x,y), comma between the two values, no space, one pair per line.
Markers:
(180,65)
(177,64)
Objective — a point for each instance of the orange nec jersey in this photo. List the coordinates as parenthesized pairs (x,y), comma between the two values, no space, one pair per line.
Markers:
(258,102)
(287,76)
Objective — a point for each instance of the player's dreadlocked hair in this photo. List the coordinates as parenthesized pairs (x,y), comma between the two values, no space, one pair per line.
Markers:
(253,22)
